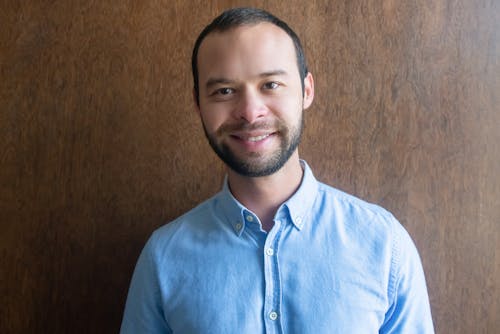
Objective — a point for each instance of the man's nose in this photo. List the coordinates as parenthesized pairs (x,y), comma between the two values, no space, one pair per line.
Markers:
(251,106)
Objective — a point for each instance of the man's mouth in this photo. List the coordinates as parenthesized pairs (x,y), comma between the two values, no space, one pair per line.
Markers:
(252,137)
(258,138)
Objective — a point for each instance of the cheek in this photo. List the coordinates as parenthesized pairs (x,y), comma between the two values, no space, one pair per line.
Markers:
(287,109)
(212,119)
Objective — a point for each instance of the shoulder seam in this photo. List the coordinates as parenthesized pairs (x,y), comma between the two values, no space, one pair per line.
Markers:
(395,263)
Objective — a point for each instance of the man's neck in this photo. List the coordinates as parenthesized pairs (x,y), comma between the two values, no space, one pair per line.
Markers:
(264,195)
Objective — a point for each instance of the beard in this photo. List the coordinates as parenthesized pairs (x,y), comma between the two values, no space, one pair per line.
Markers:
(256,164)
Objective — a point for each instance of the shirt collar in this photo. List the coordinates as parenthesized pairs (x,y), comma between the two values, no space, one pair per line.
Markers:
(300,204)
(296,208)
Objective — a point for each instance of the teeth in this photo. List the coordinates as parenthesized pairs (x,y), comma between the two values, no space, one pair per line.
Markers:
(254,139)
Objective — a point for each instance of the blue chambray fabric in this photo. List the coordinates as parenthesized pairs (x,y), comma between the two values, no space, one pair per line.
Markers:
(332,263)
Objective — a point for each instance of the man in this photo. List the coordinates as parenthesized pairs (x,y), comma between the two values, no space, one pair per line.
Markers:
(275,251)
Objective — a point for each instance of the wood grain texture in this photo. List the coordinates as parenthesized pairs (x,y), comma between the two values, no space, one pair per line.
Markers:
(99,144)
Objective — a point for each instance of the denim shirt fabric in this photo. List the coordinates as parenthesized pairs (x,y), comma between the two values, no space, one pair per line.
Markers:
(332,263)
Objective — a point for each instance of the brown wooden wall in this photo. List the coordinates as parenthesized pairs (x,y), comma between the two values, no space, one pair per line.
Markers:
(99,144)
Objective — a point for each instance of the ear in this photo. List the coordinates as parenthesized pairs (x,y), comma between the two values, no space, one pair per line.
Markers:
(308,90)
(196,104)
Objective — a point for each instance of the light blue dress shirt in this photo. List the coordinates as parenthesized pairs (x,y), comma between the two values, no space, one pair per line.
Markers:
(332,263)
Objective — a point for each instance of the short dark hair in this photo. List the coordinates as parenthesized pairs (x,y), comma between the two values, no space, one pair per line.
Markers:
(237,17)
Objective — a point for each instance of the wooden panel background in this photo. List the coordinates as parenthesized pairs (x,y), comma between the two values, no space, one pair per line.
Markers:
(99,144)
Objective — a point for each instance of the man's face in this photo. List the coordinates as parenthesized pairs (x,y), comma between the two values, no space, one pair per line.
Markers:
(251,100)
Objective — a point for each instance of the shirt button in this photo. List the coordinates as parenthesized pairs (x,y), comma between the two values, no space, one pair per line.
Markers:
(273,316)
(270,251)
(249,218)
(239,226)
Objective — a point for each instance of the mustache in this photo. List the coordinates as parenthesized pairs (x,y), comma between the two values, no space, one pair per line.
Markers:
(245,126)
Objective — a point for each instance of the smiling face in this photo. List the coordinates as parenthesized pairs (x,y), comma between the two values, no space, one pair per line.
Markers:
(251,100)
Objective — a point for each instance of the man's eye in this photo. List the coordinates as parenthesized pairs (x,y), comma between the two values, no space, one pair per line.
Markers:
(271,85)
(224,91)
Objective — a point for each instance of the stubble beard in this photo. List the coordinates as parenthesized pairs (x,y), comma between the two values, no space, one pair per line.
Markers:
(256,164)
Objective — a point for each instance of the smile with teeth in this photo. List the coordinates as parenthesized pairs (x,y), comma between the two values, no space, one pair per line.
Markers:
(258,138)
(252,137)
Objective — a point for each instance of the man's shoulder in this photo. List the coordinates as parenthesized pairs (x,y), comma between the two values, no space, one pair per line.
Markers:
(198,217)
(363,219)
(351,203)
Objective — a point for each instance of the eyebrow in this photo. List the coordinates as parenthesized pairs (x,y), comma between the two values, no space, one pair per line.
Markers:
(272,73)
(218,81)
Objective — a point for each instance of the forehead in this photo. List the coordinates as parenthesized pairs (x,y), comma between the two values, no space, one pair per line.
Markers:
(246,50)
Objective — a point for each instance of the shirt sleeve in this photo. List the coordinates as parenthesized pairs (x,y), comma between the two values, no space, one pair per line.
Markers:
(409,309)
(143,309)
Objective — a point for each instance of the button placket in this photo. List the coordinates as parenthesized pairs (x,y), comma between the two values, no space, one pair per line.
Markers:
(272,279)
